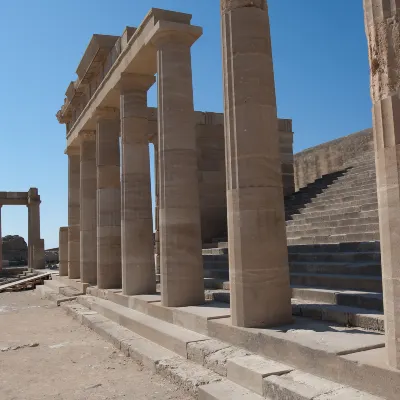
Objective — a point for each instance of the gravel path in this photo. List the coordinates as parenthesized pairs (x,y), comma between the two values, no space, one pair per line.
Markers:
(45,354)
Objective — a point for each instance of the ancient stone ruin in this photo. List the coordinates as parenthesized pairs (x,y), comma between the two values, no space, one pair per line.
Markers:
(271,280)
(14,248)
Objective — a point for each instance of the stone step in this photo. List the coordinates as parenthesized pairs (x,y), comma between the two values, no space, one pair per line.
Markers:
(348,199)
(250,371)
(351,298)
(207,362)
(367,301)
(346,189)
(371,205)
(328,281)
(45,292)
(338,247)
(348,257)
(221,270)
(299,218)
(182,372)
(364,269)
(301,343)
(331,224)
(357,192)
(171,337)
(300,385)
(356,232)
(309,212)
(336,281)
(306,240)
(295,230)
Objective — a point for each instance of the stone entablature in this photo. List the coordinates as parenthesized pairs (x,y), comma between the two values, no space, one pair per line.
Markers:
(133,51)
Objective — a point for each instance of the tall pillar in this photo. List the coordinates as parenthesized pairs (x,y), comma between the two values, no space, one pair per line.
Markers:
(1,244)
(63,251)
(88,222)
(35,244)
(258,259)
(73,212)
(156,213)
(108,199)
(138,274)
(180,232)
(383,32)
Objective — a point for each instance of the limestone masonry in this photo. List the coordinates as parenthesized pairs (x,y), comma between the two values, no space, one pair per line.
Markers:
(263,278)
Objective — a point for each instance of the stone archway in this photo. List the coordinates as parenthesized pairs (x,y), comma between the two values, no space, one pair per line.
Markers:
(31,199)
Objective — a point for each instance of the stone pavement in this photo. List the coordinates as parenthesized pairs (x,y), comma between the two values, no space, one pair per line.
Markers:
(44,354)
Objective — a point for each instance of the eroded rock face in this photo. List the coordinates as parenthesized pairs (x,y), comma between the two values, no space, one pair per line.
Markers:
(14,248)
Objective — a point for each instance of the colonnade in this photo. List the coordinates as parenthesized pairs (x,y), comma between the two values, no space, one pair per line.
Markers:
(109,239)
(120,195)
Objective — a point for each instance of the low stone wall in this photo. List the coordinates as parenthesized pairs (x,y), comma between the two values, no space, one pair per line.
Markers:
(329,157)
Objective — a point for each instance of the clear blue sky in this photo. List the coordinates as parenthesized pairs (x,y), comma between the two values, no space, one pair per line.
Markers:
(321,68)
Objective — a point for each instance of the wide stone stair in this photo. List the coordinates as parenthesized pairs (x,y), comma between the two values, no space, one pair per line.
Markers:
(334,250)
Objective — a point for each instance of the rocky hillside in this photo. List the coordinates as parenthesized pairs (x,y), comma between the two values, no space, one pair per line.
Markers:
(15,248)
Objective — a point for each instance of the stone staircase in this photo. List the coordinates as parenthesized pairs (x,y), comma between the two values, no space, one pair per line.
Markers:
(334,249)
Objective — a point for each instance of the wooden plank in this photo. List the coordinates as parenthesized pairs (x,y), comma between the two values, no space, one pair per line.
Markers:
(23,281)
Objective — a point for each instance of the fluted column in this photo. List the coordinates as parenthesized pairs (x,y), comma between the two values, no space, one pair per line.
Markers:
(88,221)
(108,199)
(63,251)
(180,231)
(258,259)
(138,274)
(73,212)
(383,32)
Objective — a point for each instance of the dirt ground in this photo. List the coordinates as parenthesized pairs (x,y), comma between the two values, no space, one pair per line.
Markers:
(45,354)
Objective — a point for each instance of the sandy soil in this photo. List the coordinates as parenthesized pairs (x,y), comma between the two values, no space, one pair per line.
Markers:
(45,354)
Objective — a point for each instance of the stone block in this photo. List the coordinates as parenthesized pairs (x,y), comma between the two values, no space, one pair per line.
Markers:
(249,371)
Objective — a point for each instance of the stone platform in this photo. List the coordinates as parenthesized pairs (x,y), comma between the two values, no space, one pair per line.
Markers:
(198,347)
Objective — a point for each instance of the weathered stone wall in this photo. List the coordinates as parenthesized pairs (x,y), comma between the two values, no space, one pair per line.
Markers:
(211,165)
(329,157)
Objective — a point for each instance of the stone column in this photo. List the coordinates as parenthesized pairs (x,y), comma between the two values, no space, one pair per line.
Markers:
(383,32)
(88,222)
(73,212)
(108,199)
(156,213)
(63,251)
(180,232)
(1,244)
(36,246)
(138,274)
(258,259)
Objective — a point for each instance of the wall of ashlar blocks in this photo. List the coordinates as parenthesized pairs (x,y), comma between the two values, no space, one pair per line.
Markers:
(330,157)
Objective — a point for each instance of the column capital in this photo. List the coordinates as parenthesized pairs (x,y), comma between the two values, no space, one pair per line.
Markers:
(106,113)
(87,136)
(167,33)
(72,151)
(230,5)
(136,82)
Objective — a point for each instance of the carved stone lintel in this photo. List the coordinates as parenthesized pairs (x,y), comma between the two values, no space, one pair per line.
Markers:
(139,82)
(230,5)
